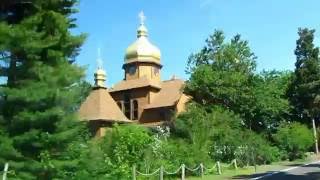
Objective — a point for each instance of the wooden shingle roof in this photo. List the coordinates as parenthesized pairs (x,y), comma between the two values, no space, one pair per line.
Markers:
(169,94)
(135,83)
(99,105)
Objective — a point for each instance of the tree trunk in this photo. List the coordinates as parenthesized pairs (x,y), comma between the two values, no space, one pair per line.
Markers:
(315,136)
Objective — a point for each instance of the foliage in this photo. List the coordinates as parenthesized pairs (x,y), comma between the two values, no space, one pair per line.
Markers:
(304,89)
(271,105)
(293,138)
(113,156)
(41,93)
(222,74)
(206,127)
(232,114)
(255,149)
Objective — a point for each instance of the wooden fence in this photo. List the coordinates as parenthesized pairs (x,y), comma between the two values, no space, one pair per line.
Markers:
(200,169)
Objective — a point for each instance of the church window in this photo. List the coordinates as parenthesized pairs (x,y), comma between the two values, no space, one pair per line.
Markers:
(135,109)
(132,70)
(127,106)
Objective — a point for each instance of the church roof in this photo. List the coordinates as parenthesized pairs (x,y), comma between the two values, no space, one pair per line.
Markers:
(135,83)
(169,94)
(99,105)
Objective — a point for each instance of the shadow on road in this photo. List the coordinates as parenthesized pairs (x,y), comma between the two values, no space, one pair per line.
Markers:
(251,175)
(309,172)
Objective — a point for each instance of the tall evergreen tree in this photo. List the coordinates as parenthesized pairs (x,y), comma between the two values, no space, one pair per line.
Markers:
(304,90)
(39,97)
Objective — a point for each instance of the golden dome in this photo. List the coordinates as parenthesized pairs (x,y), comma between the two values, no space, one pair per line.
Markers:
(100,74)
(142,49)
(100,78)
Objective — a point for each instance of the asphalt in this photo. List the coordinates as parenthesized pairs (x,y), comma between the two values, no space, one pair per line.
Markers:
(304,172)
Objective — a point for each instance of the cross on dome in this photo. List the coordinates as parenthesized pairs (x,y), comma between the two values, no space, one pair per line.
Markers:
(142,17)
(99,60)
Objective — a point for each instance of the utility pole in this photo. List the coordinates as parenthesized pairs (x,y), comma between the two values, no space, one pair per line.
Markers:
(315,136)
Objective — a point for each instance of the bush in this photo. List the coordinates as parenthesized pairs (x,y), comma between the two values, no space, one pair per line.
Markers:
(249,148)
(219,134)
(124,147)
(293,138)
(113,156)
(259,149)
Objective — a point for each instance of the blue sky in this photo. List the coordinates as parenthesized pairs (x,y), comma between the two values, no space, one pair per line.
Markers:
(180,27)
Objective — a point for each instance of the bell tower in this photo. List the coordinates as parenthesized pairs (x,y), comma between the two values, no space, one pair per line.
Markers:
(142,58)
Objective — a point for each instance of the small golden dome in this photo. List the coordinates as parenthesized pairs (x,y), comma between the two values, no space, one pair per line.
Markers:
(100,74)
(142,48)
(100,78)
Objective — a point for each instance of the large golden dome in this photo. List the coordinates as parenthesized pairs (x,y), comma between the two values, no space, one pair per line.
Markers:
(142,49)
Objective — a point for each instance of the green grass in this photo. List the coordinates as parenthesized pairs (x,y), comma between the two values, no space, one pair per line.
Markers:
(244,172)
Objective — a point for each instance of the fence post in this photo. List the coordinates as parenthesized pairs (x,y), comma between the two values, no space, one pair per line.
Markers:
(161,173)
(218,168)
(183,171)
(5,171)
(201,170)
(134,172)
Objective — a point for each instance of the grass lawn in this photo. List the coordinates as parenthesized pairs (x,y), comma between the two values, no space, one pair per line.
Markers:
(244,173)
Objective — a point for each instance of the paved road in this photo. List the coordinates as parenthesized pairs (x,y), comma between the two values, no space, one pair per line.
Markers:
(306,172)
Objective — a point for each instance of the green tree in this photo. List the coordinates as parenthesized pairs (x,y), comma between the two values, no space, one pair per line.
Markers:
(222,74)
(271,105)
(304,89)
(38,100)
(293,138)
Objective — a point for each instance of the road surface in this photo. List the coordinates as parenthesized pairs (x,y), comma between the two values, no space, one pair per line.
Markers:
(305,172)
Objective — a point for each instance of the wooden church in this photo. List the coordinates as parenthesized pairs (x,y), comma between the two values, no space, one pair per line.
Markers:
(141,97)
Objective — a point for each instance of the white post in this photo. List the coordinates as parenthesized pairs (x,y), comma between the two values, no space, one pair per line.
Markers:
(5,171)
(315,136)
(201,170)
(133,172)
(161,173)
(235,164)
(218,168)
(183,171)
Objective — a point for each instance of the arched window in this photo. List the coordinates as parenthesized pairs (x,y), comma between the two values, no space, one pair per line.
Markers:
(127,106)
(135,109)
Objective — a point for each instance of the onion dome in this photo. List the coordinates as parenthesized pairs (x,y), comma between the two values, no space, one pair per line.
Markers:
(142,49)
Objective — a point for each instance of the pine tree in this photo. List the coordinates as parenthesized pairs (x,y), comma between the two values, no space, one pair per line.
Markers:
(41,90)
(304,90)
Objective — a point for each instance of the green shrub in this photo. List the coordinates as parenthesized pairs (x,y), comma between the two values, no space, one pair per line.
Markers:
(124,147)
(113,156)
(293,138)
(254,149)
